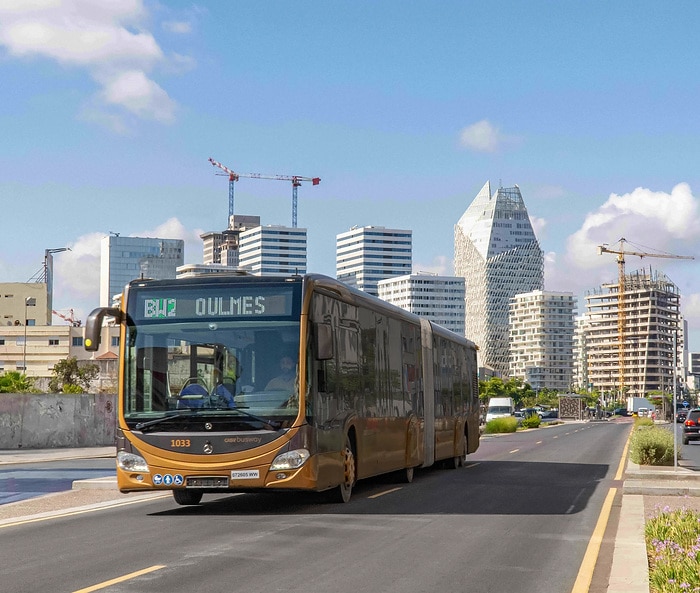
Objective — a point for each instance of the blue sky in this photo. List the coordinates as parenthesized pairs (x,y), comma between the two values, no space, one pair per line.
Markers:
(110,111)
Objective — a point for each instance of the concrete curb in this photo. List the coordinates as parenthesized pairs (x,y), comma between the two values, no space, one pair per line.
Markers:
(630,570)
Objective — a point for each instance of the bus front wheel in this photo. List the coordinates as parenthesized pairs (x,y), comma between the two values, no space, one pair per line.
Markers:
(187,497)
(344,491)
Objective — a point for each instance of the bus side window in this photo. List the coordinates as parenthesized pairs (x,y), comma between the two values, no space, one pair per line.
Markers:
(324,341)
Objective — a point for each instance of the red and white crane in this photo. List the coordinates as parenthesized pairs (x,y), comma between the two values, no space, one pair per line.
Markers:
(233,177)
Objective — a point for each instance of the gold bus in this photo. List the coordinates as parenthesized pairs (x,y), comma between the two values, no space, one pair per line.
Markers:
(237,383)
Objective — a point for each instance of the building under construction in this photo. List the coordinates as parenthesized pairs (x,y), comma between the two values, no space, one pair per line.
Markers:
(630,351)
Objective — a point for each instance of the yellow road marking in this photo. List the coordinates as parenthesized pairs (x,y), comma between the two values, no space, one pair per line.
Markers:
(585,572)
(121,579)
(80,512)
(385,492)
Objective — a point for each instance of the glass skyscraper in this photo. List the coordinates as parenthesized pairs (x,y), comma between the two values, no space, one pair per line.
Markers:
(497,254)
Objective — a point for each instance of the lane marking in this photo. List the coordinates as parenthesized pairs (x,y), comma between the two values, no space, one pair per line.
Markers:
(81,511)
(515,450)
(585,572)
(623,459)
(385,492)
(539,442)
(556,436)
(472,465)
(126,577)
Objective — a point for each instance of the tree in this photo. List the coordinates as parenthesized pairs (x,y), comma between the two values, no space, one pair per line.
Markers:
(514,387)
(15,382)
(69,376)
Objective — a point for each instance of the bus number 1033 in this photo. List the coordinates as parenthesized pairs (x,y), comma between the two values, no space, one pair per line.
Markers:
(180,443)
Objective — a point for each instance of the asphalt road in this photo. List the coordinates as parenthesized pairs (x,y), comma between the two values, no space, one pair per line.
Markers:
(26,480)
(518,518)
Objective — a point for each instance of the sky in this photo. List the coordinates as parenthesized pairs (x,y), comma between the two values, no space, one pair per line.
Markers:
(110,111)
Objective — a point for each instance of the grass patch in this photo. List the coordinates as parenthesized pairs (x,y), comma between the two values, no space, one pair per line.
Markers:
(506,424)
(532,421)
(673,550)
(651,445)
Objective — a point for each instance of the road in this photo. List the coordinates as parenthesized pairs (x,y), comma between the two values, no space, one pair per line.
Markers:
(518,518)
(21,481)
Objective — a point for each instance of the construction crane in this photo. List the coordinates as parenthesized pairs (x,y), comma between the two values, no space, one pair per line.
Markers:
(69,318)
(233,177)
(621,314)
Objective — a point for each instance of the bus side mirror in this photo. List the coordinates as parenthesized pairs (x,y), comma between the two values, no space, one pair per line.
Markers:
(93,326)
(324,341)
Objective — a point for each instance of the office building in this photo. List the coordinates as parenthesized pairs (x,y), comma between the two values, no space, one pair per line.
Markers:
(366,255)
(222,248)
(438,298)
(497,254)
(542,339)
(273,250)
(644,357)
(124,259)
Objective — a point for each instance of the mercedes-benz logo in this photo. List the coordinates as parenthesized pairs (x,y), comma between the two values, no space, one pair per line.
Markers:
(208,448)
(208,425)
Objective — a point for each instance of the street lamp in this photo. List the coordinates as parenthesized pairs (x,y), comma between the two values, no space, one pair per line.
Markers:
(29,301)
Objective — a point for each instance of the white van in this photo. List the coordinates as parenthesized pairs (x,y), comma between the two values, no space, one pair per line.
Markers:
(500,407)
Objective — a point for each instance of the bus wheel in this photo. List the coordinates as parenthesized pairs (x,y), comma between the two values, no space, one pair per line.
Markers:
(345,489)
(187,497)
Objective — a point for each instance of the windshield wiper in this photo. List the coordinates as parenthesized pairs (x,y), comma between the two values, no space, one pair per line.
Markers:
(269,423)
(142,425)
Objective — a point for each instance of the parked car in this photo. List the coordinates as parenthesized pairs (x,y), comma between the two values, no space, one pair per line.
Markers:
(554,413)
(691,426)
(621,412)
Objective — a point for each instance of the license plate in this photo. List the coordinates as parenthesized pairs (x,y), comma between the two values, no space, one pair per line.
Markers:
(245,474)
(207,482)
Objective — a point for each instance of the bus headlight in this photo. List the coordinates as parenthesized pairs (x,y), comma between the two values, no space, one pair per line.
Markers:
(130,462)
(290,459)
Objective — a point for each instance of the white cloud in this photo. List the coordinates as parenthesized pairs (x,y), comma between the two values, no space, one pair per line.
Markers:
(107,39)
(441,265)
(134,91)
(180,27)
(76,280)
(668,221)
(483,136)
(650,222)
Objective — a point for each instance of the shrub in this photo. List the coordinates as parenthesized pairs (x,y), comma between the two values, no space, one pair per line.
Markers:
(651,445)
(506,424)
(532,421)
(673,549)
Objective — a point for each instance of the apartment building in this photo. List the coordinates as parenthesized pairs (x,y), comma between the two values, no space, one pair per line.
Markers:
(542,339)
(273,250)
(652,340)
(222,247)
(438,298)
(366,255)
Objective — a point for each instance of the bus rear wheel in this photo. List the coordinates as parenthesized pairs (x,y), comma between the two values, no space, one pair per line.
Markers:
(187,497)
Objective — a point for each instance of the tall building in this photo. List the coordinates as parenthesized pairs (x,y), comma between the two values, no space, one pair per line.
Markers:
(222,248)
(497,254)
(652,341)
(124,259)
(542,339)
(366,255)
(438,298)
(273,250)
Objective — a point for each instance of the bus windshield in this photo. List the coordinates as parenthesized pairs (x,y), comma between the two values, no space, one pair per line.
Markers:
(229,351)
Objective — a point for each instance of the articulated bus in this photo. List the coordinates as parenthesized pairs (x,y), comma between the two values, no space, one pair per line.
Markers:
(241,383)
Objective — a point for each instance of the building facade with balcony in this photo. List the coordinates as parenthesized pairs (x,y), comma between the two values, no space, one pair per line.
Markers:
(648,353)
(542,339)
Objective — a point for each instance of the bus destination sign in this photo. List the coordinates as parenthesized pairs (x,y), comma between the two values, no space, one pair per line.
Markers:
(185,305)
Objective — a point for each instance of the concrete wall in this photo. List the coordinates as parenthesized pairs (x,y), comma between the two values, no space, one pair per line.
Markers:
(47,421)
